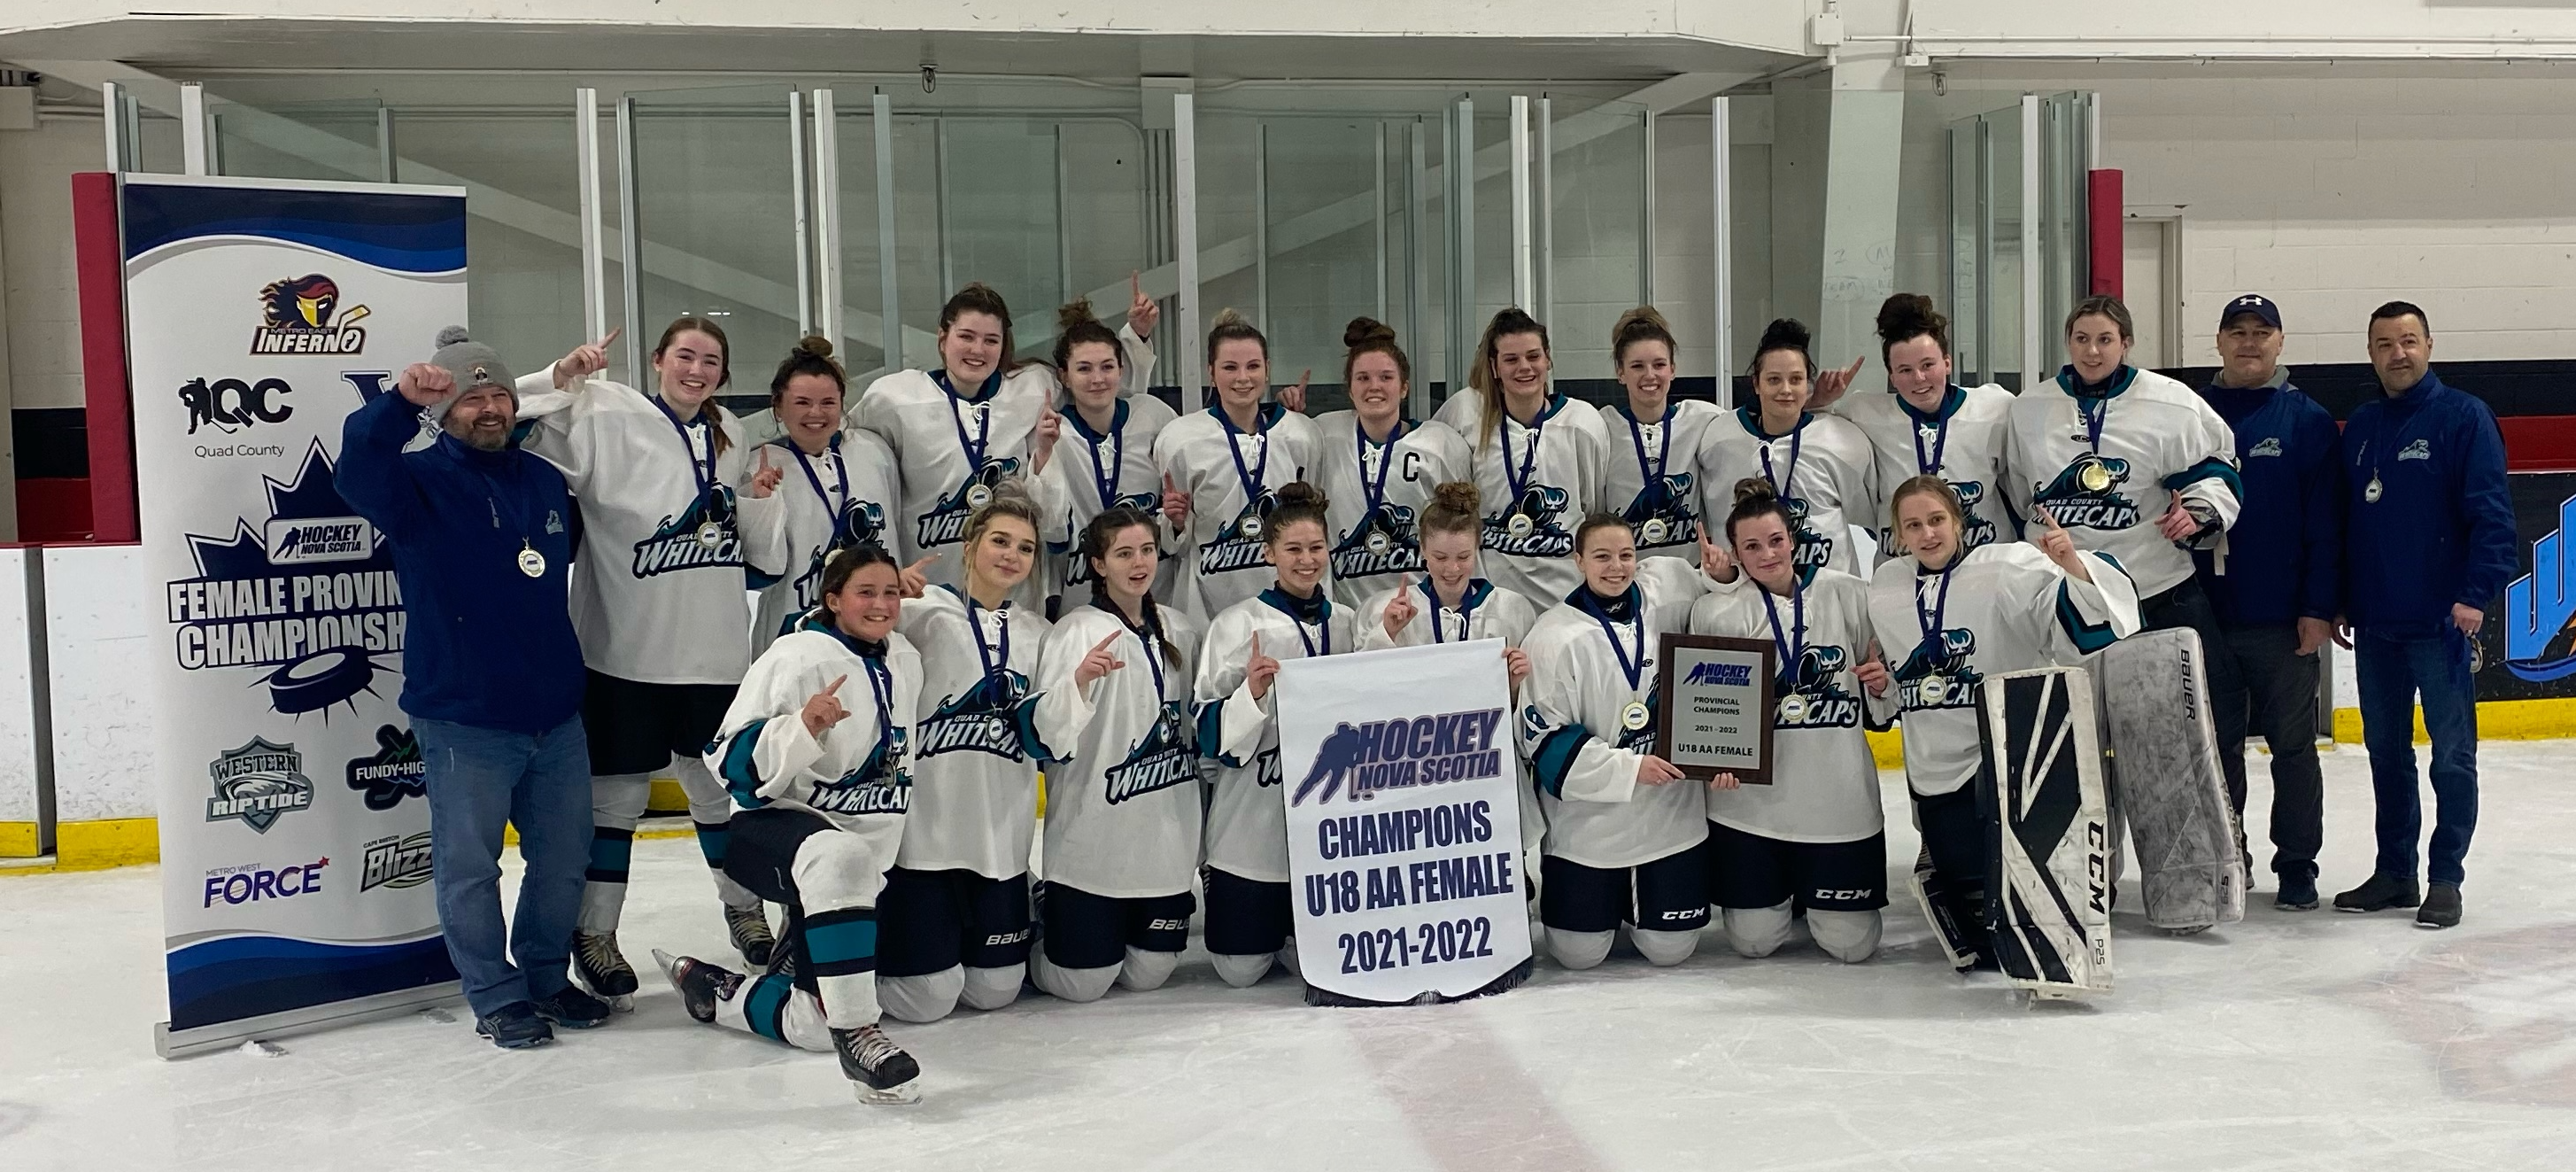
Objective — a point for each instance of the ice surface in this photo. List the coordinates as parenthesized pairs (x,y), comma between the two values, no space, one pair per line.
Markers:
(2310,1040)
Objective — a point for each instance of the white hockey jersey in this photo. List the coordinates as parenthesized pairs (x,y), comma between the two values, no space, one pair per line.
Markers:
(1123,816)
(858,774)
(1650,475)
(952,448)
(984,726)
(1824,784)
(1963,441)
(1486,612)
(1247,821)
(840,498)
(1378,492)
(1091,471)
(668,536)
(1584,724)
(2107,468)
(1233,480)
(1538,483)
(2002,607)
(1823,469)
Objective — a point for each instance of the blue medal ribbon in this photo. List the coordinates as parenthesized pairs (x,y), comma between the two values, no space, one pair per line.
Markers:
(839,507)
(1634,669)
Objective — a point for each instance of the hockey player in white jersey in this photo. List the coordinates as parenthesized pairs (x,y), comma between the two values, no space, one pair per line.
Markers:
(1110,461)
(1650,474)
(837,494)
(676,510)
(1538,458)
(1948,616)
(955,914)
(1248,919)
(1379,467)
(816,748)
(1448,603)
(2134,465)
(1623,826)
(1123,816)
(1230,462)
(1820,465)
(1814,837)
(1927,425)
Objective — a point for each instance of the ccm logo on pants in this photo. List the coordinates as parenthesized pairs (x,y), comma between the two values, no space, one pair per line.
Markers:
(1845,895)
(251,886)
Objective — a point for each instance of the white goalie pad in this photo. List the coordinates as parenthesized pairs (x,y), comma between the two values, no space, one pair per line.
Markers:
(2041,789)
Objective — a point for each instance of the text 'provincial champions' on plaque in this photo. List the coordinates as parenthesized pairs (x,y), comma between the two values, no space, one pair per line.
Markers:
(1716,714)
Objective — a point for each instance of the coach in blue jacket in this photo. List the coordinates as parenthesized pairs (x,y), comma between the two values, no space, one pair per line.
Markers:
(2429,546)
(482,534)
(2277,587)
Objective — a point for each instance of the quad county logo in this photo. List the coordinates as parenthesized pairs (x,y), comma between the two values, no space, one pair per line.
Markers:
(303,315)
(229,405)
(393,772)
(252,883)
(400,860)
(258,783)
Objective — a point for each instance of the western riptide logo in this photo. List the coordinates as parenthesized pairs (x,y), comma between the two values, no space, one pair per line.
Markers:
(1159,761)
(1402,754)
(258,783)
(2085,494)
(1945,656)
(303,315)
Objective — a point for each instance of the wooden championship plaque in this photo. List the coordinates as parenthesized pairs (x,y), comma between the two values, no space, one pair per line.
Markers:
(1715,714)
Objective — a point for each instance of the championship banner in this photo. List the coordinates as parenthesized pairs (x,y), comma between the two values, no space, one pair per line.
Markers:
(1403,792)
(294,831)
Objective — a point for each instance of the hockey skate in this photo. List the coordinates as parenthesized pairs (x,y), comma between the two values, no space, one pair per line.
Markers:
(751,938)
(603,970)
(701,985)
(879,1071)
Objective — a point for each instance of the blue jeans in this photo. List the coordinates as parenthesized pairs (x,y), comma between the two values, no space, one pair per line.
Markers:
(2390,669)
(481,780)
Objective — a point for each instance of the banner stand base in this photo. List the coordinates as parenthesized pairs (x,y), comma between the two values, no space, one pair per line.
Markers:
(169,1043)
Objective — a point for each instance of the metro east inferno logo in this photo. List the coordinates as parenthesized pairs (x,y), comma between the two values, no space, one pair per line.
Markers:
(302,315)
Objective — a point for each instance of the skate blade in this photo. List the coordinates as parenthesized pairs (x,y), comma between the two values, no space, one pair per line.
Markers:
(621,1003)
(894,1096)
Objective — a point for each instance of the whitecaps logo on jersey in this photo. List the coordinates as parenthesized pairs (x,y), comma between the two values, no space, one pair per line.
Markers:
(1945,656)
(2086,494)
(393,772)
(314,632)
(1079,574)
(1815,550)
(862,524)
(702,536)
(1661,515)
(1401,754)
(1817,676)
(1384,542)
(945,523)
(1534,526)
(1980,530)
(876,787)
(1237,545)
(2419,450)
(1158,762)
(2271,446)
(989,718)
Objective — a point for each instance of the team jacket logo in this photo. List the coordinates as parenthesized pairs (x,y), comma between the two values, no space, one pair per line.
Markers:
(679,542)
(1160,761)
(1400,754)
(862,523)
(398,861)
(2086,494)
(2419,450)
(875,787)
(945,523)
(393,772)
(1079,574)
(1237,545)
(229,404)
(302,315)
(990,717)
(1534,526)
(1817,675)
(1666,499)
(1945,654)
(258,783)
(253,883)
(2271,446)
(314,634)
(1383,542)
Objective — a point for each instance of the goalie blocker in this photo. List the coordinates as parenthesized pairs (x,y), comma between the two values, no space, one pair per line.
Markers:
(2041,792)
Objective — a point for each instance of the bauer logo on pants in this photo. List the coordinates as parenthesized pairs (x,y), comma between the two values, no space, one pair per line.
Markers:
(258,783)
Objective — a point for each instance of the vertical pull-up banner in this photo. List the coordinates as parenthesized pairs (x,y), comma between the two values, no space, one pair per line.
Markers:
(294,833)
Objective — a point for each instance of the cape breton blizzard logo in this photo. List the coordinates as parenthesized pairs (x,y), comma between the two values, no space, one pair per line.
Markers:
(1237,545)
(1942,658)
(397,861)
(258,784)
(2271,446)
(1534,525)
(1382,543)
(303,315)
(1402,754)
(875,787)
(1160,761)
(990,717)
(308,597)
(393,772)
(1817,675)
(702,536)
(945,523)
(1661,514)
(2085,494)
(229,405)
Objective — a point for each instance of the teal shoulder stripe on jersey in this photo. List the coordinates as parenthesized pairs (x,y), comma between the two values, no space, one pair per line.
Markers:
(1555,758)
(1211,724)
(2088,637)
(764,1006)
(741,777)
(2212,468)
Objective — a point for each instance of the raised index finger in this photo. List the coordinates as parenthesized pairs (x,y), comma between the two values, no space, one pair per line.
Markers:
(835,686)
(612,337)
(1104,643)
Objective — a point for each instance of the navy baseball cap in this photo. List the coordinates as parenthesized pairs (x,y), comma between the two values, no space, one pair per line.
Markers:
(2255,304)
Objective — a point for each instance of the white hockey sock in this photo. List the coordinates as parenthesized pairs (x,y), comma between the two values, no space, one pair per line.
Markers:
(617,802)
(1664,948)
(1243,972)
(710,811)
(1757,932)
(1850,937)
(1075,984)
(1146,971)
(1579,950)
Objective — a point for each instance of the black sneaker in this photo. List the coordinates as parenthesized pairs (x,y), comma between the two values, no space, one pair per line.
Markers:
(2441,906)
(573,1009)
(515,1026)
(2298,894)
(2380,893)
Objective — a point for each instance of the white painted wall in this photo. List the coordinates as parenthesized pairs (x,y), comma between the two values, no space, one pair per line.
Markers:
(42,292)
(18,776)
(99,648)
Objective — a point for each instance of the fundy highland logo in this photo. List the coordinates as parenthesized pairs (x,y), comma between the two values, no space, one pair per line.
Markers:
(303,315)
(2539,606)
(258,783)
(393,772)
(396,861)
(1402,753)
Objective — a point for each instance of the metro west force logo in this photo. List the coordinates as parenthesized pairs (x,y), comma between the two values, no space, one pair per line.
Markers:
(303,315)
(1402,754)
(2085,494)
(308,596)
(1159,761)
(258,783)
(396,861)
(393,772)
(2539,607)
(253,883)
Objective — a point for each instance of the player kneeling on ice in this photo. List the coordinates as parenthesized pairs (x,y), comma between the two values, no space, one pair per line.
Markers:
(1248,919)
(817,750)
(1814,838)
(1623,828)
(1950,619)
